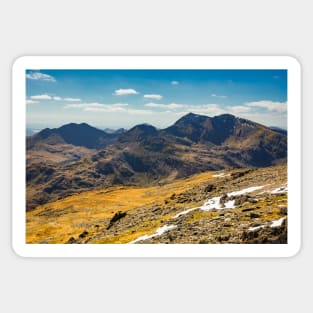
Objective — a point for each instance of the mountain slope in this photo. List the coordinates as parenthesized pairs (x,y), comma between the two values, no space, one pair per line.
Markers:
(145,155)
(82,135)
(68,143)
(233,206)
(279,130)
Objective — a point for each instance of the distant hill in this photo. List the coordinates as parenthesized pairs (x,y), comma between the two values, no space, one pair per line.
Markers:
(219,130)
(279,130)
(31,131)
(145,155)
(82,135)
(68,143)
(115,131)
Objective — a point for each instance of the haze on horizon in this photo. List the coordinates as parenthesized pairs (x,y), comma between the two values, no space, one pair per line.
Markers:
(124,98)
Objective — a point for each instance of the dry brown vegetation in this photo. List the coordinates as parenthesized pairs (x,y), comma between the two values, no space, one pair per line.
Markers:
(84,217)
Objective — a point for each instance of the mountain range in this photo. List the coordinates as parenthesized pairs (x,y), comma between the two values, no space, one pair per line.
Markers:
(78,157)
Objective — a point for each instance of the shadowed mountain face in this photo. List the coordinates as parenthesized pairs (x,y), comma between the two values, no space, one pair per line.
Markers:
(145,155)
(139,132)
(279,130)
(216,130)
(68,143)
(75,134)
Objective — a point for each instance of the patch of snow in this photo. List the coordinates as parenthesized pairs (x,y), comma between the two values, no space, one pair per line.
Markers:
(278,222)
(160,231)
(243,191)
(229,204)
(185,212)
(213,203)
(256,228)
(218,175)
(279,190)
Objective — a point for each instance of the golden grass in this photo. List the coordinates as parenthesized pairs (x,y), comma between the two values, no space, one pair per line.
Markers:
(199,214)
(57,221)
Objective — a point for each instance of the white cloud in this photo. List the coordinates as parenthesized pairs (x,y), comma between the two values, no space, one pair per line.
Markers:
(71,99)
(237,109)
(269,105)
(29,101)
(55,98)
(277,119)
(218,96)
(207,109)
(88,106)
(124,92)
(152,112)
(140,112)
(174,82)
(171,106)
(156,97)
(41,97)
(40,76)
(108,108)
(119,110)
(154,105)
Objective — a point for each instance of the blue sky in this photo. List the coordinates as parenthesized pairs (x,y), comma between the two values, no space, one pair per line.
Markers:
(124,98)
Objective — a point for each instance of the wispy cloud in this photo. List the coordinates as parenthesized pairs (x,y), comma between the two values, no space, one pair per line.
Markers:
(40,76)
(29,101)
(206,109)
(108,108)
(269,105)
(72,99)
(172,106)
(92,105)
(218,96)
(41,97)
(153,96)
(55,98)
(113,109)
(174,82)
(124,92)
(211,109)
(177,108)
(237,109)
(264,112)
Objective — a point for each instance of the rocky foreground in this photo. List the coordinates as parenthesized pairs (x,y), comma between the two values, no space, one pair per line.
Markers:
(231,206)
(243,207)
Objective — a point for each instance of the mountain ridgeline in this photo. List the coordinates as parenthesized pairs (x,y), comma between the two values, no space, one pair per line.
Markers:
(146,155)
(76,134)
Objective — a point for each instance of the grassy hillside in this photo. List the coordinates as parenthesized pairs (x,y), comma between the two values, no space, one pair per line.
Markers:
(144,155)
(122,214)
